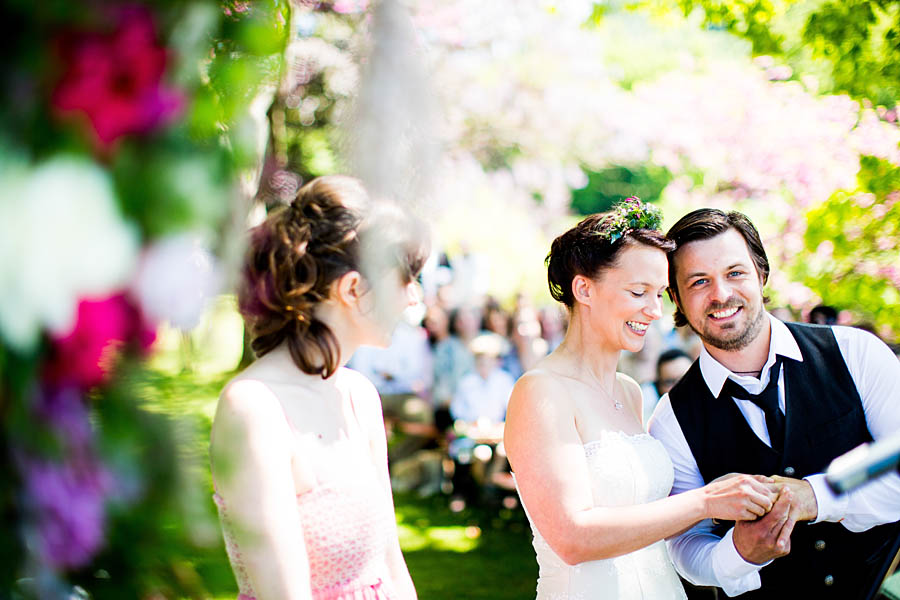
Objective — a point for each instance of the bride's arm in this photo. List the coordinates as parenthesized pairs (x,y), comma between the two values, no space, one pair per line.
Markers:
(547,457)
(250,453)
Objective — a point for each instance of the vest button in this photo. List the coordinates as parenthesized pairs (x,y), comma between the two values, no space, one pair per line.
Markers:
(819,545)
(789,471)
(829,580)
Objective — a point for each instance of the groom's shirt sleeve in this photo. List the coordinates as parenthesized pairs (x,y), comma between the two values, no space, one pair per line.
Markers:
(702,557)
(876,372)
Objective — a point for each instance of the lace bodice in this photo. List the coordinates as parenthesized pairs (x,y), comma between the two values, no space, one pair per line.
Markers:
(625,470)
(628,469)
(347,529)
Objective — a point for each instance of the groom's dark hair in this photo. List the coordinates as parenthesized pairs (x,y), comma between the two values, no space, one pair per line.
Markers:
(706,223)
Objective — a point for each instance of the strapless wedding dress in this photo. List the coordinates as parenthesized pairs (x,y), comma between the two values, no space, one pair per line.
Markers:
(625,470)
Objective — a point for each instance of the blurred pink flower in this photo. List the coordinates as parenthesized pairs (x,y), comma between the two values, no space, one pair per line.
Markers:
(349,6)
(779,73)
(825,249)
(115,79)
(236,7)
(84,356)
(892,274)
(864,200)
(885,243)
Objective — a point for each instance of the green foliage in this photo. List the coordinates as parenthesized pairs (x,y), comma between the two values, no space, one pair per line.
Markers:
(314,153)
(751,19)
(862,41)
(852,244)
(859,40)
(173,190)
(263,31)
(613,184)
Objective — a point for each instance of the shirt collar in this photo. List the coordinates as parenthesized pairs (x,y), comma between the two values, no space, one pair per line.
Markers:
(782,343)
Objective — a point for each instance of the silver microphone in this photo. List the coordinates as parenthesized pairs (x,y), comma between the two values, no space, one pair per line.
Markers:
(864,463)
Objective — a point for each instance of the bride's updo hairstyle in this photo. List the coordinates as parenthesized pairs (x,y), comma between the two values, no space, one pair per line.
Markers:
(331,228)
(595,243)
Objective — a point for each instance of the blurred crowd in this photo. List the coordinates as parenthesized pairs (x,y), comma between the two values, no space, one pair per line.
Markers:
(447,375)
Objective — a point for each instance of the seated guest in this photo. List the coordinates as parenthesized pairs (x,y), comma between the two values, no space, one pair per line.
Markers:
(670,366)
(400,371)
(478,406)
(451,360)
(482,395)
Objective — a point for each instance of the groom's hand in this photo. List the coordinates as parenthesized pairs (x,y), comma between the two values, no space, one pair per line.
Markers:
(804,507)
(768,537)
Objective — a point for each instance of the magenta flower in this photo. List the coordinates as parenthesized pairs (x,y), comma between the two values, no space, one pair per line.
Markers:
(84,356)
(115,79)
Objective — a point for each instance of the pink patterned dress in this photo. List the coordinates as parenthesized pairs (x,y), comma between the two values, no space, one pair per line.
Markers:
(347,529)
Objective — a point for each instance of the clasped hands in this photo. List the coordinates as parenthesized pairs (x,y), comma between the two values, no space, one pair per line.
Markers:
(765,510)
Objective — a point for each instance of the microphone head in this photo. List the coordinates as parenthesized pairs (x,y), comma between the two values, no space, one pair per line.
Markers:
(862,464)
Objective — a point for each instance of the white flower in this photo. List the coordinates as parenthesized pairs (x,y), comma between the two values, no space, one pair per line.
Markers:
(176,279)
(61,239)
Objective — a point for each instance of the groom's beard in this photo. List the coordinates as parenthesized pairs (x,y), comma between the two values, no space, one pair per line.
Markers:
(751,329)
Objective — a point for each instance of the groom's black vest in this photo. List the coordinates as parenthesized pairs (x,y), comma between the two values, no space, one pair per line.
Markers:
(824,419)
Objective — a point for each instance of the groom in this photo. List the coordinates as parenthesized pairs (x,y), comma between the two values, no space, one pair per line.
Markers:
(780,399)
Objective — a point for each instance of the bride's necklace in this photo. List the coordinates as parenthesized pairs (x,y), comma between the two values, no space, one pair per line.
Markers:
(615,402)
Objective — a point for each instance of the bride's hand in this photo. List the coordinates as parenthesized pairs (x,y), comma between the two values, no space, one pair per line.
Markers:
(738,497)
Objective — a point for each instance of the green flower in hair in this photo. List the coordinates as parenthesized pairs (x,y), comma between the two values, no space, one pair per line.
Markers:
(628,215)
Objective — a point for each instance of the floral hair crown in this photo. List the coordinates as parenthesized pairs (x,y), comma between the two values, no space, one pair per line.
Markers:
(628,215)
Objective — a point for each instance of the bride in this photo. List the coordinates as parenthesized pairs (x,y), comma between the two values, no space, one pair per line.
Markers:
(595,486)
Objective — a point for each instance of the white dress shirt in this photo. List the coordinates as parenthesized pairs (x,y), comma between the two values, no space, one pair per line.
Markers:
(704,558)
(477,398)
(404,367)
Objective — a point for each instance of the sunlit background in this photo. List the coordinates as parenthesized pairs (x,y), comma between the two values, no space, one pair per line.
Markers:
(140,139)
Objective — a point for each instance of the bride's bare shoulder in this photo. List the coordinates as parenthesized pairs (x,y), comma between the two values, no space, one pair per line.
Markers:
(539,389)
(627,382)
(632,390)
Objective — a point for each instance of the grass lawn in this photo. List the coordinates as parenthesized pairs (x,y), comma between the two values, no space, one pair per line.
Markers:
(477,554)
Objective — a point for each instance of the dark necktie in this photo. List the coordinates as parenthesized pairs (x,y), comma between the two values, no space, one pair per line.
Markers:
(767,400)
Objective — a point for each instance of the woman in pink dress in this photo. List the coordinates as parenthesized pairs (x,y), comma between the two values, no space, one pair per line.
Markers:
(298,449)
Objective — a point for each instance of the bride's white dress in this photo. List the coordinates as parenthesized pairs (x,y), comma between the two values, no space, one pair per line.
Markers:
(625,470)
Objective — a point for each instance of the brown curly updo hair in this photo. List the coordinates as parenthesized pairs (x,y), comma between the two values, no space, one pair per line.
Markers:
(331,228)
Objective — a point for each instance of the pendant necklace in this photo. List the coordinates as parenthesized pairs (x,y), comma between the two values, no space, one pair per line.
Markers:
(616,403)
